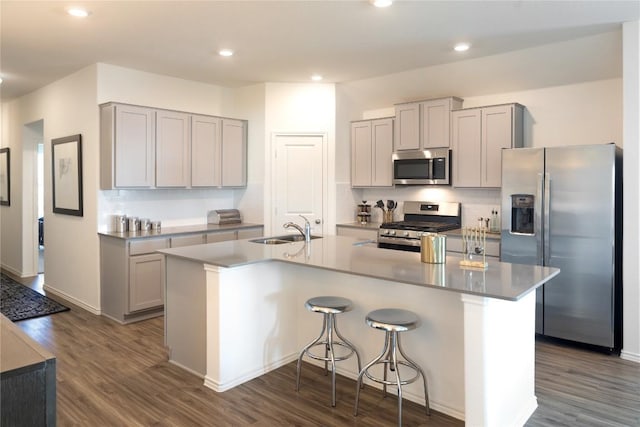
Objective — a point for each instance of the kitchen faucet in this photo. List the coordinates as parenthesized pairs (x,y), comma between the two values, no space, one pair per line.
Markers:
(306,232)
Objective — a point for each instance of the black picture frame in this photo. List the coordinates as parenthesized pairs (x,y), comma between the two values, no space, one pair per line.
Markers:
(66,171)
(5,177)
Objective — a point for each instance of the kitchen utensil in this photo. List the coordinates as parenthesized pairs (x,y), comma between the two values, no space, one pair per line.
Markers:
(380,204)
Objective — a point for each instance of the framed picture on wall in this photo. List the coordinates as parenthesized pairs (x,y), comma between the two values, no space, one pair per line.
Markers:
(5,177)
(66,168)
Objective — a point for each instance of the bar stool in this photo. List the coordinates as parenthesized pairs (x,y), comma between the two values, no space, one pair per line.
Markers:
(329,306)
(392,321)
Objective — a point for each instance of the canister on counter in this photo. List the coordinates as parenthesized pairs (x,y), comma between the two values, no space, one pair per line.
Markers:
(120,223)
(145,224)
(134,224)
(155,225)
(433,248)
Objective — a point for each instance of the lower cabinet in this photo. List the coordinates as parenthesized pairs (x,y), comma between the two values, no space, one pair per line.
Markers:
(132,274)
(146,282)
(132,278)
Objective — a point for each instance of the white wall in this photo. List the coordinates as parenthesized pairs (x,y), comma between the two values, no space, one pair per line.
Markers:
(66,107)
(11,246)
(250,104)
(300,107)
(631,178)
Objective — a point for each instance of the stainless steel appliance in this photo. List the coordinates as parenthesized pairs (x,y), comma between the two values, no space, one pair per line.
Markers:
(422,167)
(419,217)
(562,207)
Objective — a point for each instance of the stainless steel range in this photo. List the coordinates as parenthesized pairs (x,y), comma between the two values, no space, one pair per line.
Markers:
(419,217)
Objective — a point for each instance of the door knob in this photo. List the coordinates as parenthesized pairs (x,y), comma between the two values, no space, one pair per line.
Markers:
(318,221)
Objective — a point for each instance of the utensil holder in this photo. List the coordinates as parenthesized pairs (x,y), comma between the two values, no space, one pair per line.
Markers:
(387,216)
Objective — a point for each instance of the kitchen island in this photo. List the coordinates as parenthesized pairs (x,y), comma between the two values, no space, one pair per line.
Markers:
(235,310)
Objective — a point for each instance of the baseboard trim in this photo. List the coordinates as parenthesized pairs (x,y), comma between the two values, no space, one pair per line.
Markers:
(627,355)
(15,272)
(224,386)
(66,298)
(191,371)
(436,406)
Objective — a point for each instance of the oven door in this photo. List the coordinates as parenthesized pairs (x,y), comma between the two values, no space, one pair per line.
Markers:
(398,247)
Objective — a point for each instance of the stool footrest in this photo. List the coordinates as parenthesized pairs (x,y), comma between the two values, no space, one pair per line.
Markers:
(388,382)
(328,359)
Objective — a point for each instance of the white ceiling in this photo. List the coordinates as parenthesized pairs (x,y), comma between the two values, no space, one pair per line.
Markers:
(280,41)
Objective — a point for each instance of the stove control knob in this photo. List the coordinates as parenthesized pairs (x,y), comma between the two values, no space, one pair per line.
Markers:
(392,232)
(405,234)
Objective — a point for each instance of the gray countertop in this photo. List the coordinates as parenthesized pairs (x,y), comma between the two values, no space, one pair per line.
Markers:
(348,255)
(181,230)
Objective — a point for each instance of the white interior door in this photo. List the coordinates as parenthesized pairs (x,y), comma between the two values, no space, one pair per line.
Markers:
(298,181)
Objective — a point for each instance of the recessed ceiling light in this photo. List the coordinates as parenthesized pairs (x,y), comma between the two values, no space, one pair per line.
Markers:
(78,12)
(381,3)
(0,79)
(316,77)
(225,52)
(461,47)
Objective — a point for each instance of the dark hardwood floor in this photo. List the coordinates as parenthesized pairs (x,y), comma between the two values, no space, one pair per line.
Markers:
(114,375)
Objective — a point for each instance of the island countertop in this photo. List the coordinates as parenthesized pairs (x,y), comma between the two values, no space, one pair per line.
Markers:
(347,255)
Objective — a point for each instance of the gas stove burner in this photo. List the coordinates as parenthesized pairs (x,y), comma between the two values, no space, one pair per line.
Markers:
(419,217)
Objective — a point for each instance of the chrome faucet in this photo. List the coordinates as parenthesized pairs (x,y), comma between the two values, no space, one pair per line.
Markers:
(306,232)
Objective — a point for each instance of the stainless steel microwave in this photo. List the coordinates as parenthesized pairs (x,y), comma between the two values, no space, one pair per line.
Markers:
(422,167)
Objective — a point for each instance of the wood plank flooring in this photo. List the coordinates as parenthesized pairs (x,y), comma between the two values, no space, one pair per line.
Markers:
(114,375)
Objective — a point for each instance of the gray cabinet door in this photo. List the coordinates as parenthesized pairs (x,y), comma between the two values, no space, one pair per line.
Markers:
(466,150)
(146,281)
(361,155)
(205,151)
(407,132)
(134,147)
(436,123)
(496,135)
(382,149)
(234,153)
(173,145)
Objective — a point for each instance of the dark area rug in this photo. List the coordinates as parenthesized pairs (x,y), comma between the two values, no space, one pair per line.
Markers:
(19,302)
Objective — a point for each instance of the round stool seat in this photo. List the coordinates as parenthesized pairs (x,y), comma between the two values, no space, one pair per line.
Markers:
(328,304)
(393,319)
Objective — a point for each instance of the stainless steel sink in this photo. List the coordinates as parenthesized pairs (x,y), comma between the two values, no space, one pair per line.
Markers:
(279,240)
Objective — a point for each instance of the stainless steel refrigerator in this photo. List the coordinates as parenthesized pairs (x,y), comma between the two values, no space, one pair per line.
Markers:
(562,207)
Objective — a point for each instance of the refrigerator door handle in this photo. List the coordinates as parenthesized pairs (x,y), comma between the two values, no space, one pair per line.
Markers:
(538,220)
(546,220)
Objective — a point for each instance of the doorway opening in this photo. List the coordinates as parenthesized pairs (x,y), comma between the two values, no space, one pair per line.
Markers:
(33,230)
(40,205)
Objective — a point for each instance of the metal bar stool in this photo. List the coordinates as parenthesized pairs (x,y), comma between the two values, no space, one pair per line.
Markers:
(329,306)
(392,321)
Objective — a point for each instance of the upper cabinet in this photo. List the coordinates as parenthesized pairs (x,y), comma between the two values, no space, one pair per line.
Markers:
(173,148)
(371,149)
(127,151)
(425,124)
(234,153)
(145,147)
(205,151)
(479,135)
